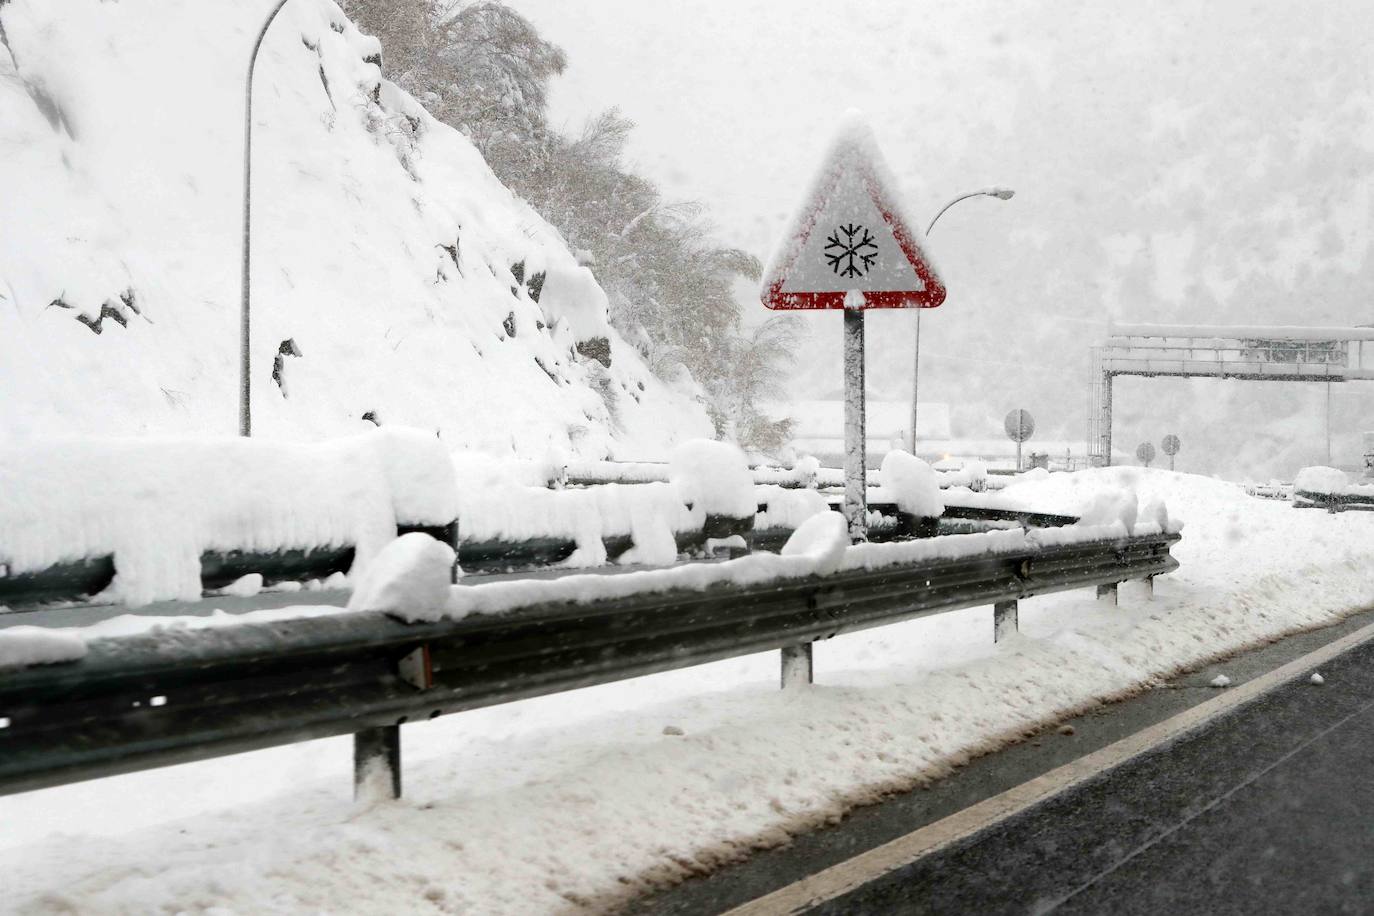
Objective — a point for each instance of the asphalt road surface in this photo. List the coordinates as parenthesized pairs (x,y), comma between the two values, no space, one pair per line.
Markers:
(1265,808)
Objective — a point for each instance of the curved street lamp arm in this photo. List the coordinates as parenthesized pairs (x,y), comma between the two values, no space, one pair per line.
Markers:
(245,387)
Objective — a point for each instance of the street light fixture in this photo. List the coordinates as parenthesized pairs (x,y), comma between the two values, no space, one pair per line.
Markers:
(1000,194)
(245,362)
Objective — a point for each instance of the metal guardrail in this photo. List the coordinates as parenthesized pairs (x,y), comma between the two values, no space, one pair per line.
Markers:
(137,702)
(1332,502)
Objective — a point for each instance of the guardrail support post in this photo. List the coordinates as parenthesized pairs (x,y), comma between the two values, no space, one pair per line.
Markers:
(1003,620)
(1150,588)
(377,762)
(796,665)
(1107,591)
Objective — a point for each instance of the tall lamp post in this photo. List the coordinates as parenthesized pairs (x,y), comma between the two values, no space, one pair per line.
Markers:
(1000,194)
(245,361)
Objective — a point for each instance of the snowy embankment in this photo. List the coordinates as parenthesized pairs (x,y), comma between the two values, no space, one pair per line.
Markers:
(577,800)
(394,277)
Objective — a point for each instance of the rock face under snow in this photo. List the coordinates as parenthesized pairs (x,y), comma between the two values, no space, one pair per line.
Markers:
(393,275)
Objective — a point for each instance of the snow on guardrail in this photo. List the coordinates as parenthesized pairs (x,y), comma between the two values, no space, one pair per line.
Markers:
(156,505)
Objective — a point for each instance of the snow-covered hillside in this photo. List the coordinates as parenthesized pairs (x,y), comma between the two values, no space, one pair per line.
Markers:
(385,252)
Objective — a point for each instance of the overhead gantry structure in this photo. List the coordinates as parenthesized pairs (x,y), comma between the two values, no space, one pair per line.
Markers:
(1248,352)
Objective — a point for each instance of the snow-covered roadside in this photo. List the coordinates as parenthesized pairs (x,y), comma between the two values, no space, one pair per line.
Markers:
(579,799)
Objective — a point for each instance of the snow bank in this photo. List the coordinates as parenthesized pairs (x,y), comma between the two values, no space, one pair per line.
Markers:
(413,572)
(22,646)
(157,504)
(911,484)
(714,477)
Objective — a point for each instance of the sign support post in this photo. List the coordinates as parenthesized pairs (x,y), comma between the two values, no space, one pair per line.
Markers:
(855,436)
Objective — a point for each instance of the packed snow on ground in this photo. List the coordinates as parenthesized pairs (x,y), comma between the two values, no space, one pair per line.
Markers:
(385,252)
(157,503)
(574,801)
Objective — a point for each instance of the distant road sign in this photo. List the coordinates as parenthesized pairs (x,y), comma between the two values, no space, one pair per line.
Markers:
(1171,445)
(1146,453)
(1019,424)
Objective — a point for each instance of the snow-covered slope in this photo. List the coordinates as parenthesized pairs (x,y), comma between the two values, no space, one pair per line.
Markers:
(384,249)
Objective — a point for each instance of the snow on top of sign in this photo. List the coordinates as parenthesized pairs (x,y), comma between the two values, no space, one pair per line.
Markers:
(854,174)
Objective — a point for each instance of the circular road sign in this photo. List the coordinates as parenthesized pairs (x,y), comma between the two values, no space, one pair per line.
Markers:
(1019,424)
(1145,452)
(1171,445)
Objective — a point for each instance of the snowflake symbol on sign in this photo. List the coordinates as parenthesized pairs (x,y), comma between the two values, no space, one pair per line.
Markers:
(853,250)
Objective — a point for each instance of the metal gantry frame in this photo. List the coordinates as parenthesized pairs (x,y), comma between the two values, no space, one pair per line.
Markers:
(1327,355)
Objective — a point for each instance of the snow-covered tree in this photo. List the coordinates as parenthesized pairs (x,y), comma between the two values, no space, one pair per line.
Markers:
(483,68)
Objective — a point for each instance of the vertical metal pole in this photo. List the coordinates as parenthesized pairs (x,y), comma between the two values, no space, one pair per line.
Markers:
(245,339)
(1107,419)
(855,438)
(797,665)
(916,383)
(1003,620)
(377,762)
(1328,424)
(1018,454)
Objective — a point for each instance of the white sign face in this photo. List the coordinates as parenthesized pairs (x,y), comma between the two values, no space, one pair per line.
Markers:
(851,247)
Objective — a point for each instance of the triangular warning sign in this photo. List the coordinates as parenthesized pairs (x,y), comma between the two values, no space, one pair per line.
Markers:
(851,236)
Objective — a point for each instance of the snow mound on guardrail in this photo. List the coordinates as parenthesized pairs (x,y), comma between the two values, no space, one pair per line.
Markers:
(512,501)
(157,504)
(715,477)
(1329,481)
(412,572)
(912,484)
